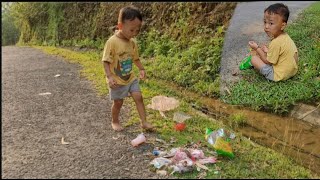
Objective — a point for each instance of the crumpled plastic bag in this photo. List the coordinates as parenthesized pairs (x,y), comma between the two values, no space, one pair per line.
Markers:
(160,162)
(220,142)
(163,103)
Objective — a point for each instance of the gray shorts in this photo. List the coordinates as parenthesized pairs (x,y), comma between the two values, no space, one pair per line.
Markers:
(122,91)
(267,71)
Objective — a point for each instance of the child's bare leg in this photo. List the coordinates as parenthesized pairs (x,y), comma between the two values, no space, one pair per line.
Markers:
(257,62)
(137,97)
(116,107)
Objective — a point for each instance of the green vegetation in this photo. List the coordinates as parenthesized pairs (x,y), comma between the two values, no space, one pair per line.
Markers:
(256,92)
(237,120)
(10,33)
(201,57)
(251,160)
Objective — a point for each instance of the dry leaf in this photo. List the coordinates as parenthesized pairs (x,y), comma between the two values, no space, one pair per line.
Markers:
(63,142)
(46,93)
(202,166)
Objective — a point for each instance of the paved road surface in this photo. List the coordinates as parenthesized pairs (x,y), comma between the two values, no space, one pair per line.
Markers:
(33,125)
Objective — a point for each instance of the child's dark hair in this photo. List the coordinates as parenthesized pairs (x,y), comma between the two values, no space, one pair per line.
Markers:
(129,13)
(280,9)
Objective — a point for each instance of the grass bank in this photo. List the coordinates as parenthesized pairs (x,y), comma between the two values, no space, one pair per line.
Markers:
(251,160)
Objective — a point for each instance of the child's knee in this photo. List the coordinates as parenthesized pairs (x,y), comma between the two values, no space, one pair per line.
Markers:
(256,61)
(137,96)
(118,103)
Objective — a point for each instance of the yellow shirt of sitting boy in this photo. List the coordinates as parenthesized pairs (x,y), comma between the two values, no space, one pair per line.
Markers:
(281,54)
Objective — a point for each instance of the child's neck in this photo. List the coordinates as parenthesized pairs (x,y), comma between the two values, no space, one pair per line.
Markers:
(121,36)
(282,32)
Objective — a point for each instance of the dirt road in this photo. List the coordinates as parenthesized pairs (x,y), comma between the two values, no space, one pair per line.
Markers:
(34,124)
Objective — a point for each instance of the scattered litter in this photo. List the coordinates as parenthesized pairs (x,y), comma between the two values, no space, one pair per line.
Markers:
(118,137)
(163,103)
(57,75)
(180,117)
(63,142)
(180,126)
(160,140)
(220,141)
(138,140)
(162,172)
(46,93)
(156,152)
(182,160)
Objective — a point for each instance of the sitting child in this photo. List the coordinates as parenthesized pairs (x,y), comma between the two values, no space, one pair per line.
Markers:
(280,60)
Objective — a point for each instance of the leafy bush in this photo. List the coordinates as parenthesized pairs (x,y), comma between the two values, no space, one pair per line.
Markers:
(195,67)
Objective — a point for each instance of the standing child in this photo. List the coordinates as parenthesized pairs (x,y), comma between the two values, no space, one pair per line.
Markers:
(119,53)
(280,60)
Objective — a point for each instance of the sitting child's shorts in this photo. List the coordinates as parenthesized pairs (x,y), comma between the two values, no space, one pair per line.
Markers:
(267,71)
(122,91)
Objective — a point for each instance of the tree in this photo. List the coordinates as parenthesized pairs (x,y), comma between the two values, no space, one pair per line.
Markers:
(10,33)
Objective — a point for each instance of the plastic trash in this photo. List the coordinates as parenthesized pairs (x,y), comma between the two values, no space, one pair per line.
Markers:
(180,155)
(220,142)
(160,161)
(246,62)
(207,160)
(163,103)
(138,140)
(185,165)
(158,152)
(180,117)
(180,126)
(197,154)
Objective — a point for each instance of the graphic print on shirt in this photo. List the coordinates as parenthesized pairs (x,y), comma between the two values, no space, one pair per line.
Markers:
(124,67)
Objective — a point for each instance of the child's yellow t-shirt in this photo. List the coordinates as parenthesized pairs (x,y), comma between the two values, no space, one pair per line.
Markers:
(281,54)
(121,54)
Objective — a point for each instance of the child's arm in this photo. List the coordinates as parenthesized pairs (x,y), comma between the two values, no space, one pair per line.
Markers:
(141,68)
(111,81)
(260,51)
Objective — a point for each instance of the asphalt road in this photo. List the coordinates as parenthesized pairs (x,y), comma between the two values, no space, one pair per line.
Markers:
(33,124)
(247,24)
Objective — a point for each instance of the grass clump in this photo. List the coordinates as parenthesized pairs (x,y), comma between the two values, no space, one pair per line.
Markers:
(237,120)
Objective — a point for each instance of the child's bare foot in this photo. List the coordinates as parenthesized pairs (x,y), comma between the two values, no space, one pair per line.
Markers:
(116,127)
(147,126)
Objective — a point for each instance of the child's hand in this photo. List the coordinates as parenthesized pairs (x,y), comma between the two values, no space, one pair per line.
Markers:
(264,48)
(253,45)
(142,74)
(111,82)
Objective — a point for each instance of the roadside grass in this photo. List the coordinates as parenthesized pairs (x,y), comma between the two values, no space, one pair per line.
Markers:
(258,93)
(251,160)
